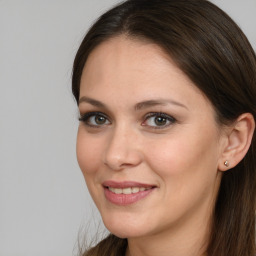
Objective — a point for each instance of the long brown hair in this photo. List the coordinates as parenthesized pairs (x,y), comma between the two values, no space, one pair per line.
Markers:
(213,52)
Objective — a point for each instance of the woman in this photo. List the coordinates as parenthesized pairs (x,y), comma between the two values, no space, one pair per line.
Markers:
(166,91)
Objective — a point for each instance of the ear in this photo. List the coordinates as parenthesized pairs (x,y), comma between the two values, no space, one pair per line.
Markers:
(238,141)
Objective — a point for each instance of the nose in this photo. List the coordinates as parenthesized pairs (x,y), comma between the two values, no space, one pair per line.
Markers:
(122,149)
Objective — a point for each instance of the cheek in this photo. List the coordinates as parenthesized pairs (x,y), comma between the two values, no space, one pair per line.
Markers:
(184,159)
(187,173)
(89,156)
(88,152)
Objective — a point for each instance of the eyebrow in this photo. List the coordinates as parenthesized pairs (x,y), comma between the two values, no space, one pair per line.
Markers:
(138,106)
(161,102)
(91,101)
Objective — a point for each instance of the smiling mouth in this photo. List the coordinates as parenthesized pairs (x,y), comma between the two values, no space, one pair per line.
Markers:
(128,191)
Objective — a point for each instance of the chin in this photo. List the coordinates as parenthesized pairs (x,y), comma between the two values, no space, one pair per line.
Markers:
(125,229)
(121,233)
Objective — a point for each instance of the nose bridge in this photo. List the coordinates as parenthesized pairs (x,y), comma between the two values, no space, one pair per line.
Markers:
(122,148)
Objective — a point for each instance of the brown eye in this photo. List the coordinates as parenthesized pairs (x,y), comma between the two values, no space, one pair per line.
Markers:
(99,120)
(158,120)
(94,119)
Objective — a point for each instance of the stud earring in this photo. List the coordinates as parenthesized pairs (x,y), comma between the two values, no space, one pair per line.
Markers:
(226,163)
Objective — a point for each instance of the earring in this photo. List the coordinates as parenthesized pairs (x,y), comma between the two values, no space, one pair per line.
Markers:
(226,163)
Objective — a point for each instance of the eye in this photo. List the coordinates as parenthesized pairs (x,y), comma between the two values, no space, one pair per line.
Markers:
(94,119)
(158,120)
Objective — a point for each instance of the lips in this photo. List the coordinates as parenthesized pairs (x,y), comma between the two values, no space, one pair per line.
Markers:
(125,193)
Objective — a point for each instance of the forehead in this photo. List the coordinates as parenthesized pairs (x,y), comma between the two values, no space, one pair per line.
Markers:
(123,67)
(124,53)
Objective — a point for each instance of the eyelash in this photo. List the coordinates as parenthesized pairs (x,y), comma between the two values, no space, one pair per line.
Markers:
(168,118)
(86,117)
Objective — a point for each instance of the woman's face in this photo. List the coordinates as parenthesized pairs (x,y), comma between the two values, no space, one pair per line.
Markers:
(148,143)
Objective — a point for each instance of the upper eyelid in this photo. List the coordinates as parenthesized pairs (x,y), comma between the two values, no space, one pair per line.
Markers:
(162,114)
(158,114)
(150,114)
(92,113)
(99,111)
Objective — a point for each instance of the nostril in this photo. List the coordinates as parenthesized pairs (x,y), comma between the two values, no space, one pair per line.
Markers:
(121,160)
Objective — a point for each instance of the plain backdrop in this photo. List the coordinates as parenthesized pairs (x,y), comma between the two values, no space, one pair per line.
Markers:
(44,203)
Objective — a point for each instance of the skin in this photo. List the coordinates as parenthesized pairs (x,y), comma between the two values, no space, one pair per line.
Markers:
(180,158)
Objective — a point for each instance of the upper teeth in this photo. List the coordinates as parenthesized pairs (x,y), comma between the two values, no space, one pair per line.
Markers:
(127,191)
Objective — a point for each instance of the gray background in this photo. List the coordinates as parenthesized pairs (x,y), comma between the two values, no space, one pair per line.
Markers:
(44,203)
